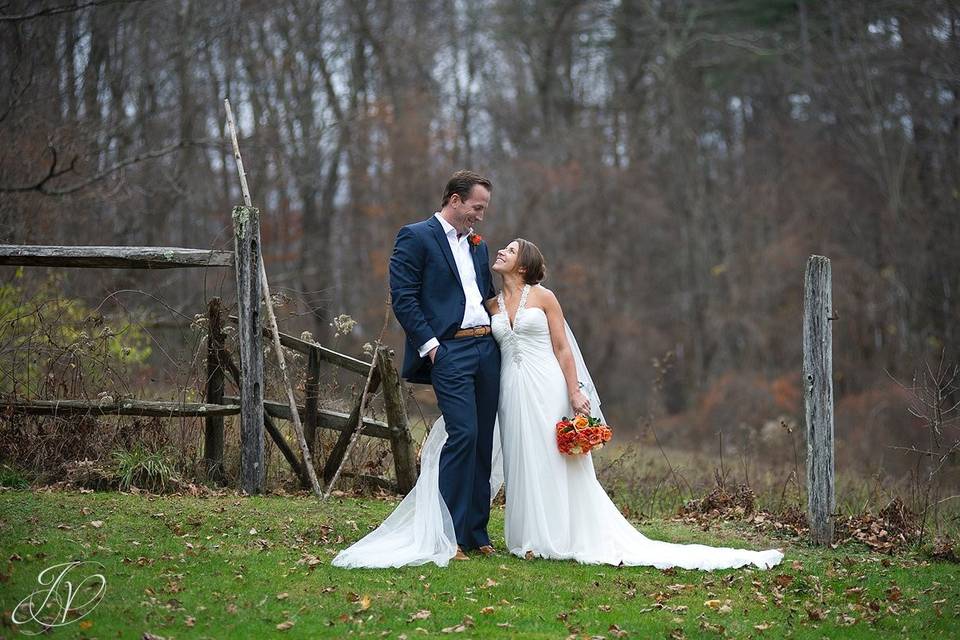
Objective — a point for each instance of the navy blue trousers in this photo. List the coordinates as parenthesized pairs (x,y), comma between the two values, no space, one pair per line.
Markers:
(466,379)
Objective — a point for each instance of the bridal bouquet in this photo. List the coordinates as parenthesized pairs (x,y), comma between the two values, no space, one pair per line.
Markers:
(581,434)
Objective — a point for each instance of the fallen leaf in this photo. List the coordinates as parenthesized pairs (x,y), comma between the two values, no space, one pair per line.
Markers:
(85,624)
(709,626)
(286,624)
(487,610)
(763,626)
(816,613)
(423,614)
(617,632)
(96,524)
(190,621)
(365,602)
(283,596)
(784,580)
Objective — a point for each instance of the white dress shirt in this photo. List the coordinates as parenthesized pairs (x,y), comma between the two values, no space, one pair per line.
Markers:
(474,313)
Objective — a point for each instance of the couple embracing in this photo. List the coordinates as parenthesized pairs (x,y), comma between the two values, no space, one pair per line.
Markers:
(505,368)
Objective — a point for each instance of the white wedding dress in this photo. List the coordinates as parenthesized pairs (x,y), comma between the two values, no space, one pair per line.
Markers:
(555,507)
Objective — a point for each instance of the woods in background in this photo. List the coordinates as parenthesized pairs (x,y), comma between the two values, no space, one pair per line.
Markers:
(676,161)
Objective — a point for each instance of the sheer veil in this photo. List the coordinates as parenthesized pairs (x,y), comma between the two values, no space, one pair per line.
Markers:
(420,529)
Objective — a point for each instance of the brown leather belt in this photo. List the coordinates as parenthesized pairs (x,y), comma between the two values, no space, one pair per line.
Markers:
(473,332)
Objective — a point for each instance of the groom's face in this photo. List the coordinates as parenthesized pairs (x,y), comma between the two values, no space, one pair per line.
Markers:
(470,211)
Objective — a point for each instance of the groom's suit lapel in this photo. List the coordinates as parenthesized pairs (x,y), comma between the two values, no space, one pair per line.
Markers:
(478,267)
(441,239)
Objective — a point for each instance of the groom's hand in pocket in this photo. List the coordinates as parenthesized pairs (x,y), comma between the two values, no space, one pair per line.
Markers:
(433,354)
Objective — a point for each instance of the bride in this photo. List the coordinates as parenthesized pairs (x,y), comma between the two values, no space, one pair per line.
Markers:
(555,507)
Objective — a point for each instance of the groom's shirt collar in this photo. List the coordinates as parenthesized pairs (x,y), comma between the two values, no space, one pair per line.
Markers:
(447,227)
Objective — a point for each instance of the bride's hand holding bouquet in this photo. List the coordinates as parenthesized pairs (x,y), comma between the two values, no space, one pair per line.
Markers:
(580,434)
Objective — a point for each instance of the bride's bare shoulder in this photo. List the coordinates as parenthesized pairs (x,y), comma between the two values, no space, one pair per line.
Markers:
(543,297)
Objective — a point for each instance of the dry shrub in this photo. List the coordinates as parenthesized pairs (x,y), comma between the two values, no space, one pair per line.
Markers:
(47,447)
(89,474)
(944,548)
(891,530)
(721,504)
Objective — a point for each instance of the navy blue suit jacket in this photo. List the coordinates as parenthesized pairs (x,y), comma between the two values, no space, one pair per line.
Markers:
(425,290)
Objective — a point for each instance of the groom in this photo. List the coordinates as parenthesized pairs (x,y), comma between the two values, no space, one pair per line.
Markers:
(439,279)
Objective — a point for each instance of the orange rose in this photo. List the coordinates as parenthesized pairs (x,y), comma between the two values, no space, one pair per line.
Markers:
(580,422)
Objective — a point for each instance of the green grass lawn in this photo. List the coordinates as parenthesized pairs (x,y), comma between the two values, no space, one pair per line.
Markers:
(237,567)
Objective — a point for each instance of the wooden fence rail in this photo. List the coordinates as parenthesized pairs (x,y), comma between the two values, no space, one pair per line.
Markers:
(322,353)
(153,408)
(112,257)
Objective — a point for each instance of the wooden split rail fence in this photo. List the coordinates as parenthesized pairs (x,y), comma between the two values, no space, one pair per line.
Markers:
(256,414)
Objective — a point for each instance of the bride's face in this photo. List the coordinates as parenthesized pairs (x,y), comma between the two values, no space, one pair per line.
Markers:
(506,261)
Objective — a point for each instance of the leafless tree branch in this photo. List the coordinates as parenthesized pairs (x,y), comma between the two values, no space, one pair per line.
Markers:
(66,8)
(53,172)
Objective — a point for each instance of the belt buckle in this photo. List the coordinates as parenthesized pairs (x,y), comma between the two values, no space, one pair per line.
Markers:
(477,332)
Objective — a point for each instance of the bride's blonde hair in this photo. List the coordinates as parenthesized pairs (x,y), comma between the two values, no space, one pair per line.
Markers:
(530,262)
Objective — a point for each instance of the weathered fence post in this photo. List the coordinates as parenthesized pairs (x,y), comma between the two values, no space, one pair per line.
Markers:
(312,398)
(401,443)
(818,382)
(213,435)
(246,238)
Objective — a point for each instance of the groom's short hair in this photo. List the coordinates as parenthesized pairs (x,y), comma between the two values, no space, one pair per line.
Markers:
(462,183)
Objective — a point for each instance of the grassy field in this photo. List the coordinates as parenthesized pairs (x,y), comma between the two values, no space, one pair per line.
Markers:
(239,567)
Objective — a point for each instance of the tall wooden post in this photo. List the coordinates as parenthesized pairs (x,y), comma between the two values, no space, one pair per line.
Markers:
(213,433)
(271,317)
(401,442)
(818,382)
(246,240)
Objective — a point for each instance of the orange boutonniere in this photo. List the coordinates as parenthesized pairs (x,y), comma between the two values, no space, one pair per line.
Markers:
(474,239)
